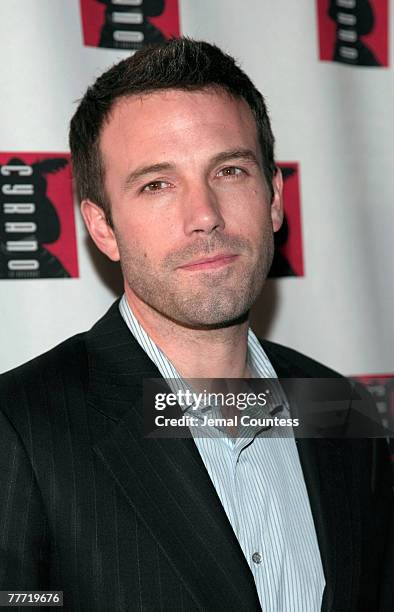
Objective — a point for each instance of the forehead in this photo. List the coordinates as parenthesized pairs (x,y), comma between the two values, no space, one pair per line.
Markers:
(161,122)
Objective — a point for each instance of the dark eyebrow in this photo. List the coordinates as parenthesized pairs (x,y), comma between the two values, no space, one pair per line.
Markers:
(143,170)
(224,156)
(246,154)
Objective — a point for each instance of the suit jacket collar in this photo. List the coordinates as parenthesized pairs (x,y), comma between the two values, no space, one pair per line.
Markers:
(167,484)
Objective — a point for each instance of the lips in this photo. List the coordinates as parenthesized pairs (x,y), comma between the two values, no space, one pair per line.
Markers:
(219,260)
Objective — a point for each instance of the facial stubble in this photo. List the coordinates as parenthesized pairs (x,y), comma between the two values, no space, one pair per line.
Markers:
(199,299)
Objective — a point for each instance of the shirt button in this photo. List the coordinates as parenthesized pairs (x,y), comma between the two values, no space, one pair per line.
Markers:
(257,557)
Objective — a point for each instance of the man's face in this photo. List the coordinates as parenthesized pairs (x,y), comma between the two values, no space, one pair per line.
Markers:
(184,176)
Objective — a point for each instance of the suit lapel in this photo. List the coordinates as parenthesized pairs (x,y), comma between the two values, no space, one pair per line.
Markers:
(166,483)
(164,480)
(327,468)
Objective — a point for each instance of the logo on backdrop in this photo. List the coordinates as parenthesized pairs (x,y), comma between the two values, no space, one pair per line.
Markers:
(353,31)
(128,24)
(381,387)
(37,228)
(288,258)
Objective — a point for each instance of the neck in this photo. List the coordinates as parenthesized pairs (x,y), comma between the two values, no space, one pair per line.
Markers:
(196,353)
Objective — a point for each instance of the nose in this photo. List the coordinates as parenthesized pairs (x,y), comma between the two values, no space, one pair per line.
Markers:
(202,211)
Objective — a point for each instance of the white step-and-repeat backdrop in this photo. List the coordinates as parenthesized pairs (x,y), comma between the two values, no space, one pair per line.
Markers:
(325,68)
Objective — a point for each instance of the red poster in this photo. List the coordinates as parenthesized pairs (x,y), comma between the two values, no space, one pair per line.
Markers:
(381,387)
(288,259)
(128,24)
(37,227)
(353,32)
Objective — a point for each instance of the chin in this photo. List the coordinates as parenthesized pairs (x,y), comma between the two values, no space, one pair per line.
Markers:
(210,319)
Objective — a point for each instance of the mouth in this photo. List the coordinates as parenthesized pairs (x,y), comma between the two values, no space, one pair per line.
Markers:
(209,263)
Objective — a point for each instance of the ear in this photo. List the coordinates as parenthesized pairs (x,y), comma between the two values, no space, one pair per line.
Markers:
(277,200)
(102,234)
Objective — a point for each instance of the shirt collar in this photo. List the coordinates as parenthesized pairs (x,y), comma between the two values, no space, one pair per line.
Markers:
(258,361)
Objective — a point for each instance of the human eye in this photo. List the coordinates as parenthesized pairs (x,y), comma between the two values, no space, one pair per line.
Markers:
(155,186)
(231,172)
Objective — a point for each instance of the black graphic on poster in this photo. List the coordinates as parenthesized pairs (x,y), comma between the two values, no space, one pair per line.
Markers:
(353,32)
(281,265)
(128,24)
(355,23)
(30,221)
(132,25)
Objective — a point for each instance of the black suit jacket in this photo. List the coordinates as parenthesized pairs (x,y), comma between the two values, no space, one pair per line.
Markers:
(90,506)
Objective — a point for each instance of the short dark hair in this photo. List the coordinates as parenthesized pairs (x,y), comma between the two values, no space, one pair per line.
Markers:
(178,63)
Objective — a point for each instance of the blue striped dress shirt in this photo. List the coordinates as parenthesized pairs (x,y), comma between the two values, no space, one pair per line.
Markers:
(261,486)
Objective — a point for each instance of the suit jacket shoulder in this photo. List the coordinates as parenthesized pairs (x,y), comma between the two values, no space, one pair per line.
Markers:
(62,368)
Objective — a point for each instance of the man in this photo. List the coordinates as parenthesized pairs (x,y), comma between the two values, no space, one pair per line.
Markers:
(173,162)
